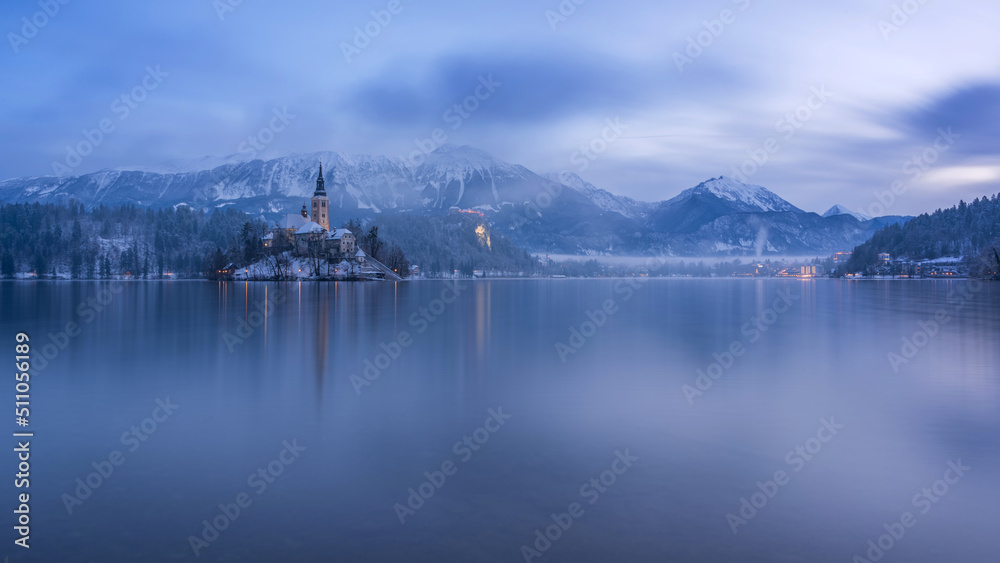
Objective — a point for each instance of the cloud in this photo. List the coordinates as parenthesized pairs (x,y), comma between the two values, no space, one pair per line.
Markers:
(556,88)
(533,87)
(973,111)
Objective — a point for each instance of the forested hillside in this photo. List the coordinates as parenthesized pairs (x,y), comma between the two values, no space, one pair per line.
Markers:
(458,241)
(969,230)
(65,239)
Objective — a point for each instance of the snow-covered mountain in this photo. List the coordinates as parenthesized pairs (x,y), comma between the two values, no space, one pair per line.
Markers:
(259,187)
(450,176)
(746,197)
(709,200)
(470,178)
(624,206)
(719,216)
(841,210)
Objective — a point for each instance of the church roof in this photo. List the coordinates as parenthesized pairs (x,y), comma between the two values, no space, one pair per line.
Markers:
(361,253)
(310,227)
(320,184)
(292,222)
(337,234)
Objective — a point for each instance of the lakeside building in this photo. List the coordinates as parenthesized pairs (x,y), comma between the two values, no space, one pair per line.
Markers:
(810,271)
(315,237)
(308,235)
(312,238)
(282,235)
(309,232)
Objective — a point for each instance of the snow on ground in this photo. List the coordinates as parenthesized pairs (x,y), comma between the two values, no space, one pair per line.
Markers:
(298,268)
(943,260)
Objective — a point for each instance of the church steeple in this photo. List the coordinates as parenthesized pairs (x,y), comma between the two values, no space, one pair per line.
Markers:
(320,184)
(320,203)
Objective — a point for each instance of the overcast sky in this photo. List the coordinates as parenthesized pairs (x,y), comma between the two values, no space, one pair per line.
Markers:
(689,113)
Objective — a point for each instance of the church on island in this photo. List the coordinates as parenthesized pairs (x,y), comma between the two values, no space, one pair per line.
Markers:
(308,235)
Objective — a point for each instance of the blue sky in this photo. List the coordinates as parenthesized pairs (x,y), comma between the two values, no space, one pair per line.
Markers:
(560,71)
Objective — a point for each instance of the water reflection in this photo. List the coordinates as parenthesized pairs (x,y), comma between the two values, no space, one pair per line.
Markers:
(494,346)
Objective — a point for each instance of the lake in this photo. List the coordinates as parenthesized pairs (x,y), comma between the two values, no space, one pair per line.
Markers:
(511,420)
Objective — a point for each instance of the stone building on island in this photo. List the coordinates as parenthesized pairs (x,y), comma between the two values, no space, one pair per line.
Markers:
(314,237)
(309,235)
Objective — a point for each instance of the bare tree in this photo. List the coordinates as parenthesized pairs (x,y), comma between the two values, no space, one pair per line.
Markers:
(277,265)
(315,255)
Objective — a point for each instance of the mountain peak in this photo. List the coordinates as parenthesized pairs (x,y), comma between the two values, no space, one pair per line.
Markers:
(463,152)
(714,198)
(459,159)
(841,210)
(750,197)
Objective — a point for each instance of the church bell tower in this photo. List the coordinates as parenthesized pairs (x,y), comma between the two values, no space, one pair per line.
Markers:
(321,203)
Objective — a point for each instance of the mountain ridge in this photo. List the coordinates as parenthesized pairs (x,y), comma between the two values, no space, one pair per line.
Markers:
(580,218)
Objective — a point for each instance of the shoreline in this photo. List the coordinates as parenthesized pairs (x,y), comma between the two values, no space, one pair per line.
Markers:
(510,278)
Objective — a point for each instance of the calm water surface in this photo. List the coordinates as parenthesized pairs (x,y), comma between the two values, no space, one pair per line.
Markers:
(807,351)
